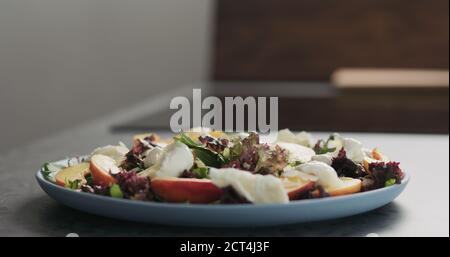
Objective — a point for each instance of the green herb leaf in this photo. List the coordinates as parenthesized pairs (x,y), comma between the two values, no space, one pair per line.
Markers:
(88,178)
(236,150)
(74,184)
(115,191)
(201,172)
(45,171)
(49,170)
(324,148)
(295,163)
(226,153)
(183,138)
(207,156)
(390,182)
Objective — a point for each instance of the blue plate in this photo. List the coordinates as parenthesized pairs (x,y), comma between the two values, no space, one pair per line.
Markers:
(239,215)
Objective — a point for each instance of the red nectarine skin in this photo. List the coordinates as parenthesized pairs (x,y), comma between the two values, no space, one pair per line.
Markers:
(186,190)
(295,194)
(100,177)
(60,183)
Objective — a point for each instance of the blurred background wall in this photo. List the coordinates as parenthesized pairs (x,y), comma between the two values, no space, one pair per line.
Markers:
(64,61)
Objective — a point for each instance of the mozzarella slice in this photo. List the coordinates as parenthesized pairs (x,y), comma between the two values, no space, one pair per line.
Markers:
(105,164)
(150,171)
(352,147)
(175,158)
(297,152)
(285,135)
(116,152)
(152,156)
(337,142)
(292,173)
(302,138)
(354,150)
(255,188)
(305,138)
(326,175)
(326,158)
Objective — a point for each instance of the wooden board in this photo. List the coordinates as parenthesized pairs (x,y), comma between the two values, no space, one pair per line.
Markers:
(308,39)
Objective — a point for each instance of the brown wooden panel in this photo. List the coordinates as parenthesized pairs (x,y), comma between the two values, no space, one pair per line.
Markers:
(308,39)
(320,107)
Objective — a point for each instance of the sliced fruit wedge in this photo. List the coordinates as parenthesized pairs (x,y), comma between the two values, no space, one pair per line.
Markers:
(218,134)
(296,190)
(102,167)
(72,173)
(351,186)
(378,155)
(150,171)
(190,190)
(296,184)
(138,137)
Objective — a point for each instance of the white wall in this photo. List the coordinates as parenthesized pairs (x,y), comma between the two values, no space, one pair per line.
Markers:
(65,61)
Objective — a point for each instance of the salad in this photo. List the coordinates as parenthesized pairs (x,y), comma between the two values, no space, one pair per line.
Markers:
(213,167)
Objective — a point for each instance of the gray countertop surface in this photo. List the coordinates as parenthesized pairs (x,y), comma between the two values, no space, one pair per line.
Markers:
(25,210)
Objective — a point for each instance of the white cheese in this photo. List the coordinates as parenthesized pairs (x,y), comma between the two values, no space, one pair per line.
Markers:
(176,158)
(352,147)
(152,156)
(305,139)
(368,155)
(297,152)
(106,163)
(150,171)
(326,158)
(285,135)
(290,172)
(354,150)
(326,175)
(116,152)
(302,138)
(255,188)
(203,130)
(337,142)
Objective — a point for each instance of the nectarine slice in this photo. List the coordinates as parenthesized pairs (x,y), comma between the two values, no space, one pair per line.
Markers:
(190,190)
(297,189)
(138,137)
(351,186)
(72,173)
(102,167)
